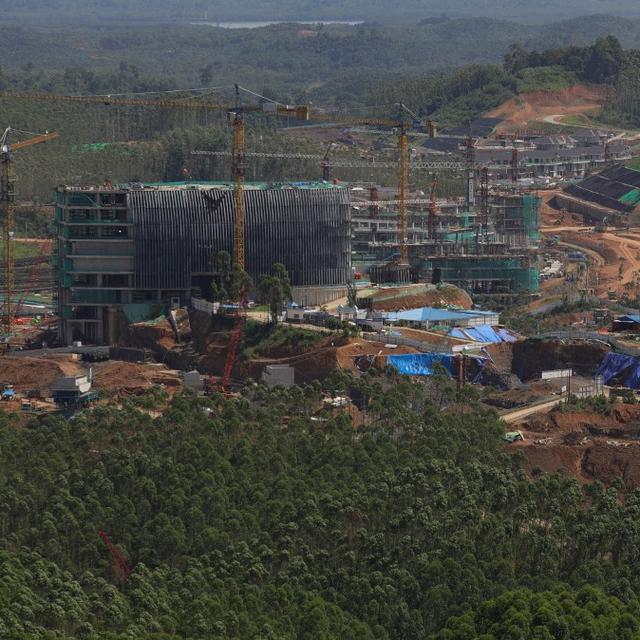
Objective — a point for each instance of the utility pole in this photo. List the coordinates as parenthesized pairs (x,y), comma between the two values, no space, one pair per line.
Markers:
(462,373)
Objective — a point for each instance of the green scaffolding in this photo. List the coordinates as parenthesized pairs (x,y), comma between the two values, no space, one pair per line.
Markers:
(524,212)
(531,216)
(521,275)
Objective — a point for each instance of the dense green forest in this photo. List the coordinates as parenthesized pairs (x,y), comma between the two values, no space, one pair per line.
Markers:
(329,64)
(451,98)
(382,10)
(624,106)
(248,519)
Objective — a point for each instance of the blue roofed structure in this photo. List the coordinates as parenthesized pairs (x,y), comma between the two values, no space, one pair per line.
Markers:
(484,333)
(627,322)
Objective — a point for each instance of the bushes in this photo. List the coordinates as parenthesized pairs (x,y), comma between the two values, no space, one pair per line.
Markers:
(268,339)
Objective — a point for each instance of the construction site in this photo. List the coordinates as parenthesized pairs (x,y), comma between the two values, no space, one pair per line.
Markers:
(404,275)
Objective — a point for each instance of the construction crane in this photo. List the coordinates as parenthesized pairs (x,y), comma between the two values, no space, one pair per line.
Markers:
(484,198)
(470,157)
(236,335)
(327,163)
(121,569)
(238,168)
(403,165)
(433,209)
(8,197)
(236,113)
(400,126)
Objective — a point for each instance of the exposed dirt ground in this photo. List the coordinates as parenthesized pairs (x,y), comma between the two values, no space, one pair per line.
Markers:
(26,374)
(116,376)
(527,108)
(319,362)
(616,256)
(587,446)
(417,296)
(550,215)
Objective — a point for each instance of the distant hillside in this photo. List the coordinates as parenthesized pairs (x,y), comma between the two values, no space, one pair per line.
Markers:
(335,63)
(65,11)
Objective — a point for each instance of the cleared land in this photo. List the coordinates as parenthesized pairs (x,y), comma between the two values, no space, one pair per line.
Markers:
(538,106)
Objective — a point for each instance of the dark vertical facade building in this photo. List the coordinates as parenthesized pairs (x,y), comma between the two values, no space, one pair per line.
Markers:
(125,254)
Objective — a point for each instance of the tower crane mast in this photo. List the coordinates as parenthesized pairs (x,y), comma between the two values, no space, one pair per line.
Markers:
(238,174)
(433,209)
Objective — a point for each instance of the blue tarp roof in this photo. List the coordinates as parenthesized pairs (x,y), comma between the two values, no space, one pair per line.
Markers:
(632,317)
(483,333)
(617,365)
(419,364)
(431,314)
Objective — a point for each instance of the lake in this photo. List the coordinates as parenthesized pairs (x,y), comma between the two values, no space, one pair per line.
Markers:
(256,25)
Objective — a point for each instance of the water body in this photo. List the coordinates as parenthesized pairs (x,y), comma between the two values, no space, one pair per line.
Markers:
(257,25)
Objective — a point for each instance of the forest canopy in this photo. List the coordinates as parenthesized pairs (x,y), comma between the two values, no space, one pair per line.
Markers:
(248,519)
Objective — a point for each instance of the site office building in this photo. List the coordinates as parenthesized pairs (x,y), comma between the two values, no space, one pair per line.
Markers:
(127,253)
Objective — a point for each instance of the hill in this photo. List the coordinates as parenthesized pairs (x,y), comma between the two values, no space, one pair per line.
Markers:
(527,108)
(286,61)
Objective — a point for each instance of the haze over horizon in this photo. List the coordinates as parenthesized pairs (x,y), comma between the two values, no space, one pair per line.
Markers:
(389,11)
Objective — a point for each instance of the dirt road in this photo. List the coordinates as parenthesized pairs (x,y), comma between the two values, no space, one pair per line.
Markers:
(517,415)
(615,254)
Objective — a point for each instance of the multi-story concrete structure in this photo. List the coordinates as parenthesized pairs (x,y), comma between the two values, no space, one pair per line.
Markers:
(125,254)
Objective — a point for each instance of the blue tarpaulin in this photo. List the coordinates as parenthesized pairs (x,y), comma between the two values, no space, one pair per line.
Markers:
(419,364)
(617,365)
(507,336)
(483,333)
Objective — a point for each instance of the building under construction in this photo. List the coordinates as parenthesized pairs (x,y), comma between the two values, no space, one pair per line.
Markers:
(127,253)
(488,250)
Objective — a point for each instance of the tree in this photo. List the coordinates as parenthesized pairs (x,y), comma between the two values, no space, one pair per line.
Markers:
(516,58)
(229,281)
(606,60)
(221,282)
(275,289)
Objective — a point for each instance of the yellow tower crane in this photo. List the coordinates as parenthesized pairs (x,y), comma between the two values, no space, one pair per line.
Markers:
(402,127)
(7,195)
